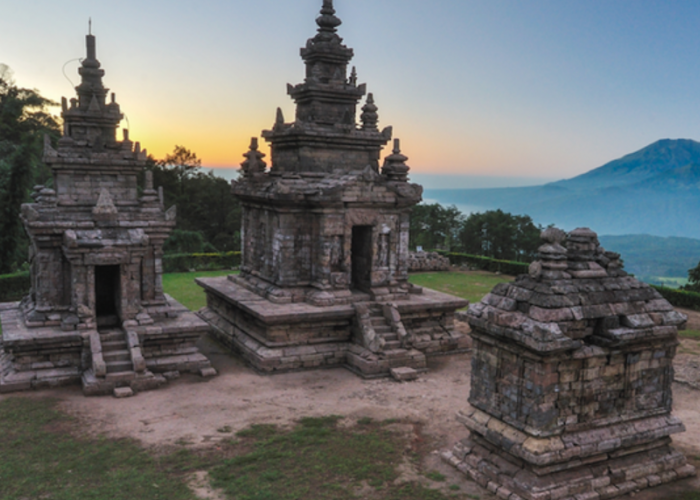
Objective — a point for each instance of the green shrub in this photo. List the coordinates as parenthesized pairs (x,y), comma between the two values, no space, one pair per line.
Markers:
(14,286)
(184,262)
(680,298)
(508,267)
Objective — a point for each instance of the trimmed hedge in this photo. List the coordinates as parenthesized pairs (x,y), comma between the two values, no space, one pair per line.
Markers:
(14,286)
(508,267)
(185,262)
(680,298)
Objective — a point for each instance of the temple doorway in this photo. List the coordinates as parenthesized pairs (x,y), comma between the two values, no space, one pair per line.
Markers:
(361,256)
(107,296)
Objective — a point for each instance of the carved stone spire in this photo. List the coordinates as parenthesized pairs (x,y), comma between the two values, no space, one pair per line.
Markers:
(90,120)
(369,115)
(253,166)
(327,21)
(325,127)
(395,167)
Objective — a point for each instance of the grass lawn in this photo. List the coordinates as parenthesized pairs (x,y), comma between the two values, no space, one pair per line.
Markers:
(45,456)
(689,334)
(472,285)
(41,459)
(181,287)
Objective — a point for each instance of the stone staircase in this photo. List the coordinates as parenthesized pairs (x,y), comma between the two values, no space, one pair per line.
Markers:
(115,351)
(382,328)
(117,365)
(383,347)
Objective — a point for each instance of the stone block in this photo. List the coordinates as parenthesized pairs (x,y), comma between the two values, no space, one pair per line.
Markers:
(404,373)
(123,392)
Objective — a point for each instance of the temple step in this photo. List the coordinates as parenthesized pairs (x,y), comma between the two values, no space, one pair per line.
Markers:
(111,335)
(116,355)
(116,345)
(119,366)
(115,351)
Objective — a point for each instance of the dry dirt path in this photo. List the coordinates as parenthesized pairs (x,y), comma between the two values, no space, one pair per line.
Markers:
(190,411)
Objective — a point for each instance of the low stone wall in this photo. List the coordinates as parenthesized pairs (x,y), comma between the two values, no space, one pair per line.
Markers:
(427,261)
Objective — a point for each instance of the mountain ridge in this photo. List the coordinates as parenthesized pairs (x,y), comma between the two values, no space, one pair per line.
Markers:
(652,160)
(655,191)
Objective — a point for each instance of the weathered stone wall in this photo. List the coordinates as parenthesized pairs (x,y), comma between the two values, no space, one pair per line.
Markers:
(427,261)
(79,187)
(292,248)
(587,388)
(571,380)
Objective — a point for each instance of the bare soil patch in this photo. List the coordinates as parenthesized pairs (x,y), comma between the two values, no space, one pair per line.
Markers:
(199,414)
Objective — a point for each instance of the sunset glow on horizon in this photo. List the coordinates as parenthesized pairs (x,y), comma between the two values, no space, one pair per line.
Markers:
(499,87)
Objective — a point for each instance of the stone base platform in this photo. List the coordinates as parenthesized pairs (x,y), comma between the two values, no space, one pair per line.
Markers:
(297,336)
(137,382)
(599,480)
(594,464)
(48,356)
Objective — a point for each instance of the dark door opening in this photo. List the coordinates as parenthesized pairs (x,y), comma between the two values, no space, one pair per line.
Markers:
(361,256)
(107,295)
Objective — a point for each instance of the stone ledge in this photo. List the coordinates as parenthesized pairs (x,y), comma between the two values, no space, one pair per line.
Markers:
(570,446)
(602,480)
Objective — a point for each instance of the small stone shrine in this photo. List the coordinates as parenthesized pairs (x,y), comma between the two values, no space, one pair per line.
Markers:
(324,274)
(571,380)
(96,311)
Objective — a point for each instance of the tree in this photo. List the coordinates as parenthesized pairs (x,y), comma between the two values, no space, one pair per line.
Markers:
(434,226)
(24,120)
(183,163)
(500,235)
(693,279)
(204,201)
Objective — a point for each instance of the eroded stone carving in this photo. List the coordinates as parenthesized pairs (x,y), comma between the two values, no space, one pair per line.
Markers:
(325,229)
(571,380)
(97,312)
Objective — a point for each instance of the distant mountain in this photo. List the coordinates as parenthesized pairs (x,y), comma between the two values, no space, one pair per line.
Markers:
(656,159)
(655,191)
(649,257)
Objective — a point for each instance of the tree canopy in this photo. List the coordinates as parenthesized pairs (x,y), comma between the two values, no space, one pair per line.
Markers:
(493,233)
(24,119)
(204,202)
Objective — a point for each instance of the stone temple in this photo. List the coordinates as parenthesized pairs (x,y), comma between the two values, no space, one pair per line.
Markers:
(96,312)
(571,380)
(324,274)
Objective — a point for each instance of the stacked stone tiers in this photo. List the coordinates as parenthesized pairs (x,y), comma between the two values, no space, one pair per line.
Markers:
(46,356)
(571,380)
(285,337)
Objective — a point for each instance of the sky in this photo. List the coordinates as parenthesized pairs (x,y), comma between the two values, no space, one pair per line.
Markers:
(526,90)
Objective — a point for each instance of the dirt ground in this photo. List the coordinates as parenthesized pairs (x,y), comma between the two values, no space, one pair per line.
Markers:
(192,412)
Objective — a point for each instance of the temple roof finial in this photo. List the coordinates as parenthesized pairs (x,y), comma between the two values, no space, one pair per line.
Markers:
(89,26)
(395,168)
(327,21)
(253,166)
(369,115)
